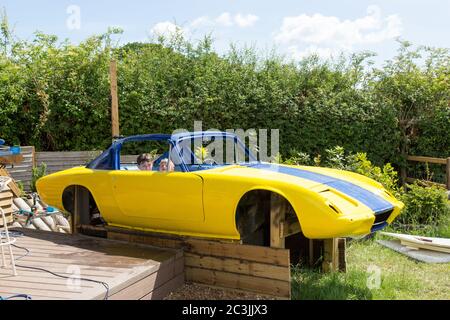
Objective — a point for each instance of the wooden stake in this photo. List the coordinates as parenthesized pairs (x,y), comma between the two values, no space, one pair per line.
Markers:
(311,252)
(114,99)
(448,173)
(330,255)
(277,217)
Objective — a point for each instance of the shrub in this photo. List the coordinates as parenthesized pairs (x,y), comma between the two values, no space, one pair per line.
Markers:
(337,158)
(36,174)
(426,209)
(385,175)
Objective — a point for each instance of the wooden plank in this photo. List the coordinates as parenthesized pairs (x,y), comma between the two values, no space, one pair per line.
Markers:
(149,240)
(239,266)
(424,246)
(11,159)
(67,155)
(275,256)
(54,295)
(427,159)
(164,290)
(6,194)
(6,202)
(277,217)
(12,185)
(239,281)
(36,275)
(143,287)
(34,297)
(114,99)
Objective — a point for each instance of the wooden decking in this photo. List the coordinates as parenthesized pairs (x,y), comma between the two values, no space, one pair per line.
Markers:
(131,271)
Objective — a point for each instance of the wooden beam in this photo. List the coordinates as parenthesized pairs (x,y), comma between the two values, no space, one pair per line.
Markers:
(447,168)
(266,255)
(239,281)
(114,99)
(277,218)
(427,159)
(240,266)
(290,227)
(330,255)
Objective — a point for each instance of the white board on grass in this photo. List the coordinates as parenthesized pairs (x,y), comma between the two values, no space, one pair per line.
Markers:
(430,243)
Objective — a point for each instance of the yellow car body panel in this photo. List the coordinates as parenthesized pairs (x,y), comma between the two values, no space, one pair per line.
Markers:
(204,203)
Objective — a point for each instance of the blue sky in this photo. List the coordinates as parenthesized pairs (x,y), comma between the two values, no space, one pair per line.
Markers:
(295,28)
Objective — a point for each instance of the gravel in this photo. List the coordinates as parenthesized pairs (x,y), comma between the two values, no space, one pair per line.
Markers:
(190,291)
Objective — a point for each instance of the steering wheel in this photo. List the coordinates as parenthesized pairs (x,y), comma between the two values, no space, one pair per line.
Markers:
(209,161)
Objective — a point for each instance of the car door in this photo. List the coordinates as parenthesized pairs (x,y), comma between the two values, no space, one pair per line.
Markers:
(158,195)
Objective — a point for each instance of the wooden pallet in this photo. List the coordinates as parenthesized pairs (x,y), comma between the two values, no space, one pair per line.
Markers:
(6,200)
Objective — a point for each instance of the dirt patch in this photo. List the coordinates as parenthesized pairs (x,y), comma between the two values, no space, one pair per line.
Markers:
(190,291)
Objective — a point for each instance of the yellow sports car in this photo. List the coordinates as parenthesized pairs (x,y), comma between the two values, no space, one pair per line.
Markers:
(216,188)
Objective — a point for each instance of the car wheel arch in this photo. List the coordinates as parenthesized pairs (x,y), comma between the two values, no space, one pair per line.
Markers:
(68,200)
(244,209)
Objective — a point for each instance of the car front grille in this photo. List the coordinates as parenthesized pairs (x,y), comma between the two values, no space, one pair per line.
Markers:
(380,220)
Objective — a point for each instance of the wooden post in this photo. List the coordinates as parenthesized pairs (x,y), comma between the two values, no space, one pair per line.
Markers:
(76,211)
(330,255)
(334,255)
(114,99)
(448,173)
(277,217)
(311,252)
(342,243)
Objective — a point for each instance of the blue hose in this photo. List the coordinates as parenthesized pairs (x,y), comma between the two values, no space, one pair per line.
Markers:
(24,296)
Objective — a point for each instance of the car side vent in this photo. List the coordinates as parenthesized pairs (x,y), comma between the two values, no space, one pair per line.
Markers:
(334,208)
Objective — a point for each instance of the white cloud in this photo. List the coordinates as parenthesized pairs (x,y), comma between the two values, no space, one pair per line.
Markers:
(226,20)
(202,22)
(167,29)
(244,21)
(330,34)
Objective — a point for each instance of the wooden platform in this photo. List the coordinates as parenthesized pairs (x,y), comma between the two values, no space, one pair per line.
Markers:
(225,264)
(131,271)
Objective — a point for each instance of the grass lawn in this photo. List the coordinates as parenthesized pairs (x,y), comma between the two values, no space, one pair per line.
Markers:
(400,277)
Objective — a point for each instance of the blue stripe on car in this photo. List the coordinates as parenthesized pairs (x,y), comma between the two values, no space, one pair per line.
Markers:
(373,201)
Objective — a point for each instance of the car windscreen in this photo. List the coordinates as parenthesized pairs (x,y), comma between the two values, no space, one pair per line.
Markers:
(201,153)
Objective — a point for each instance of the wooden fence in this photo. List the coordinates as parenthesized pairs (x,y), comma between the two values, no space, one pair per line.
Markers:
(55,161)
(441,161)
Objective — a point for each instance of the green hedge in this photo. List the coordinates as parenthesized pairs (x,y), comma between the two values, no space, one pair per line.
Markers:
(56,96)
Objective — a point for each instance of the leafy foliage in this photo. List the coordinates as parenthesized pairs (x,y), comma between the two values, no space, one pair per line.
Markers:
(427,209)
(55,95)
(36,174)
